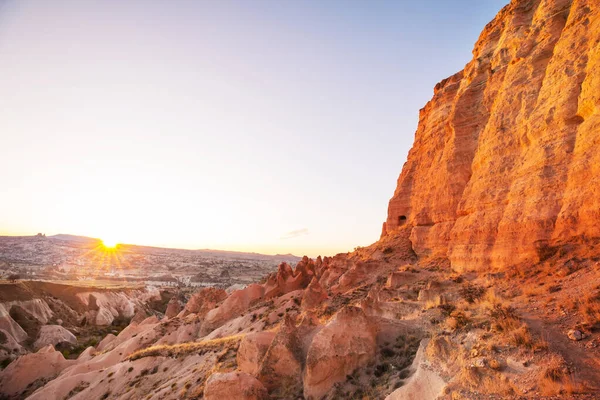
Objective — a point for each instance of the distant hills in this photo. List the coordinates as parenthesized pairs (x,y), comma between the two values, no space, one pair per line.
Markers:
(290,258)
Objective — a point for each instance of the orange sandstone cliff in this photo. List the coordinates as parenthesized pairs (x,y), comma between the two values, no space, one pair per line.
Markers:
(505,166)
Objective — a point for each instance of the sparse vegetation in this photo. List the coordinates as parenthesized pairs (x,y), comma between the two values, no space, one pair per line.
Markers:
(184,349)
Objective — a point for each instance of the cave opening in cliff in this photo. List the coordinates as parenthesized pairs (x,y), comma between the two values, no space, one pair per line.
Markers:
(401,220)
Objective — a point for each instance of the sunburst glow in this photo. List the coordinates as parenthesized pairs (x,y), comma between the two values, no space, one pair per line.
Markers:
(109,243)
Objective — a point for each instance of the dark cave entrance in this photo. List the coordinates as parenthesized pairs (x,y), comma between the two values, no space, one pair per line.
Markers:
(401,220)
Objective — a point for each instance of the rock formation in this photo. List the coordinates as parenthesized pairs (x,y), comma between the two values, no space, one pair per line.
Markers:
(205,300)
(314,295)
(346,343)
(53,335)
(504,168)
(252,349)
(173,308)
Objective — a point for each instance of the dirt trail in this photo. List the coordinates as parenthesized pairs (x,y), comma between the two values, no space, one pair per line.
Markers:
(585,365)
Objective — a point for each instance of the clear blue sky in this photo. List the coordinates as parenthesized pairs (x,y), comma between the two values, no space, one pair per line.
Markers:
(274,126)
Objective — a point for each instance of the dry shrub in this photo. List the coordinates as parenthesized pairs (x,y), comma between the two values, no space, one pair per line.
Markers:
(437,301)
(439,348)
(522,337)
(589,308)
(556,379)
(471,293)
(486,381)
(470,376)
(457,320)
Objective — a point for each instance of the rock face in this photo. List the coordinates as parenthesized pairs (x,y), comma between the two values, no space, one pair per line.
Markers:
(281,366)
(234,385)
(314,295)
(344,344)
(252,349)
(504,169)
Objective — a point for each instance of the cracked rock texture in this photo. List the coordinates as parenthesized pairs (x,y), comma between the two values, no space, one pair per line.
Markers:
(504,169)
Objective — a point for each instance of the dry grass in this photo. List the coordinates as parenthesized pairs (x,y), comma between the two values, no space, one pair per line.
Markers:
(471,293)
(556,379)
(185,349)
(589,308)
(486,381)
(439,347)
(522,337)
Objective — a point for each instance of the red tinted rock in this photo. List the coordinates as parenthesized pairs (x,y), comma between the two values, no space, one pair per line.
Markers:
(252,349)
(343,345)
(505,164)
(281,367)
(314,295)
(236,304)
(173,308)
(205,300)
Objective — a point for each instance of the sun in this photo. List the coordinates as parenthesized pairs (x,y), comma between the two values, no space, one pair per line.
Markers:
(109,243)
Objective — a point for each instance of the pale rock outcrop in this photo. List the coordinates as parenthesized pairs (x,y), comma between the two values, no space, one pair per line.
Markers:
(252,349)
(343,345)
(423,384)
(104,317)
(104,307)
(10,326)
(37,308)
(53,335)
(234,385)
(505,166)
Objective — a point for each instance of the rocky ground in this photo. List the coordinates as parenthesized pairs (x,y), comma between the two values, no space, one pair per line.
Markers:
(376,323)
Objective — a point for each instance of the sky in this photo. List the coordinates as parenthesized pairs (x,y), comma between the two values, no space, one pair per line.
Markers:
(253,125)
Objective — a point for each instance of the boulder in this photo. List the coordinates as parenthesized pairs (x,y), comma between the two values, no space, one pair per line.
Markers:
(343,345)
(575,335)
(53,334)
(234,386)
